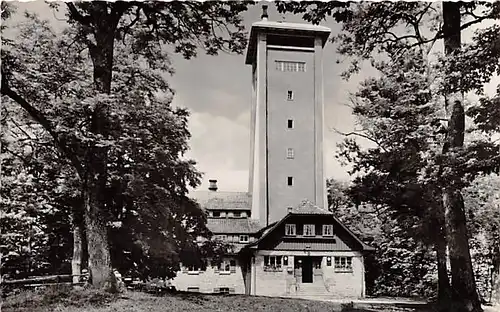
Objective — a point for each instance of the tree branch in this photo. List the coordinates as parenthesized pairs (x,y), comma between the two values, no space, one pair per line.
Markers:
(21,157)
(360,135)
(77,16)
(46,124)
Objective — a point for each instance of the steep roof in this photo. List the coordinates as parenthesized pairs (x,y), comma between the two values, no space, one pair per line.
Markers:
(215,200)
(233,226)
(308,208)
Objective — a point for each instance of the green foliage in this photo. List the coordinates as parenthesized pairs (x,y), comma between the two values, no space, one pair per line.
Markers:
(401,265)
(148,214)
(36,198)
(483,218)
(315,11)
(188,26)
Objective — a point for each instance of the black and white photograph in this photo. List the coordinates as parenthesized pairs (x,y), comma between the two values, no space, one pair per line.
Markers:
(250,156)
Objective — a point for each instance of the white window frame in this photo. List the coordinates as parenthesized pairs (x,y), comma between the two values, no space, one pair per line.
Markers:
(221,237)
(224,266)
(343,264)
(310,228)
(327,230)
(244,240)
(290,153)
(290,66)
(273,263)
(290,229)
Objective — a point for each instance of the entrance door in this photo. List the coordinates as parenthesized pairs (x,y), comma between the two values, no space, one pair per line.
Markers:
(307,270)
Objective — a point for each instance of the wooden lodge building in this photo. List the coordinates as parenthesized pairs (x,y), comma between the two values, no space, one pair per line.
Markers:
(286,243)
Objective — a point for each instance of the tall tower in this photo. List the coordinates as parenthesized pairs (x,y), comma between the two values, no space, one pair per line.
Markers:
(286,160)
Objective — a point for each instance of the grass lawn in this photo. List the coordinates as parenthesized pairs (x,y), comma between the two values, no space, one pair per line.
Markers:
(91,301)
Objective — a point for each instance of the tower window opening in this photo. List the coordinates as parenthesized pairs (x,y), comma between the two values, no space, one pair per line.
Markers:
(290,153)
(290,123)
(290,181)
(290,66)
(289,95)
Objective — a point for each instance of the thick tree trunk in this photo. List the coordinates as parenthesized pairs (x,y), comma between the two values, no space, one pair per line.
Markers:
(99,259)
(104,23)
(462,274)
(465,294)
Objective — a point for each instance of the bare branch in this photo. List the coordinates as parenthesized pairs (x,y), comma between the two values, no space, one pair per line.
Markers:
(360,135)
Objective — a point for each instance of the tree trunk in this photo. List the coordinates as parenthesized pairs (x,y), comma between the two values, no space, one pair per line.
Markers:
(495,282)
(104,26)
(444,289)
(76,261)
(462,275)
(99,258)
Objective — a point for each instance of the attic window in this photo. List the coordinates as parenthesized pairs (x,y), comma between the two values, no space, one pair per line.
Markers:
(309,230)
(237,214)
(216,214)
(290,230)
(327,229)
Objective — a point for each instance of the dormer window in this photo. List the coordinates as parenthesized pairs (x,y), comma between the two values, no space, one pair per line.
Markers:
(290,230)
(309,230)
(216,214)
(327,229)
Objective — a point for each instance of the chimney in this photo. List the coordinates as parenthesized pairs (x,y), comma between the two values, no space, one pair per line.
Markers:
(290,209)
(264,15)
(213,185)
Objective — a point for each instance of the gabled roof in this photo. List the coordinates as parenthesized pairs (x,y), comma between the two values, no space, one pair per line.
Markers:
(214,200)
(308,208)
(233,226)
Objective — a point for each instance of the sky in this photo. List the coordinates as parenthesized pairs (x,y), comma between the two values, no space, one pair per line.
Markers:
(217,92)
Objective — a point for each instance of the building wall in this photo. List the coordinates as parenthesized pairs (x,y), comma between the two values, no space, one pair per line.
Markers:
(208,280)
(283,283)
(278,283)
(345,284)
(301,138)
